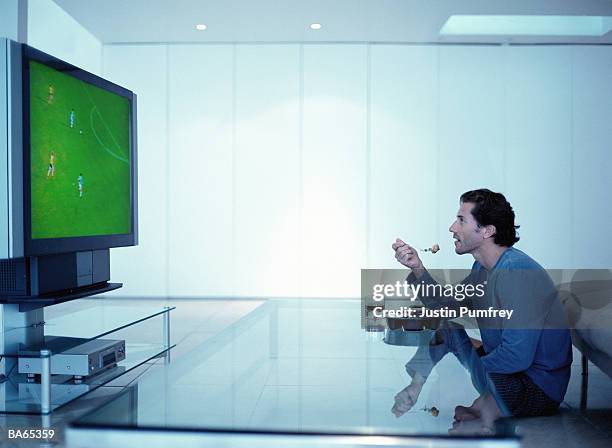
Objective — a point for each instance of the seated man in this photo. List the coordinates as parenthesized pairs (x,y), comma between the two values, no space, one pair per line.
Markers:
(523,365)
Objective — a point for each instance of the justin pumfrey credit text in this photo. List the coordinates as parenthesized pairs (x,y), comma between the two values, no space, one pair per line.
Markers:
(411,291)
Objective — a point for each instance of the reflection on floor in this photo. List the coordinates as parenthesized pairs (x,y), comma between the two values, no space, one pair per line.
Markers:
(194,322)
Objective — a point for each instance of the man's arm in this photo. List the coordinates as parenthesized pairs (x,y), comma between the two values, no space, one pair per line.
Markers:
(515,353)
(530,294)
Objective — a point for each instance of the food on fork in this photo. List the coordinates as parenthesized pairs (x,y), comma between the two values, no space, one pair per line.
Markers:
(433,249)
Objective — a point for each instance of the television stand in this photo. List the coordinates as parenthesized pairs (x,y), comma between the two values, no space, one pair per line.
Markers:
(29,303)
(36,386)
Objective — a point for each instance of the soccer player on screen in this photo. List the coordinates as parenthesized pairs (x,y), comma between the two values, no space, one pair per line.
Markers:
(51,169)
(51,96)
(72,119)
(80,182)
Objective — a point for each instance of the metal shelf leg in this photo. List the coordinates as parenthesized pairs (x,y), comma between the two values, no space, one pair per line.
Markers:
(167,336)
(45,382)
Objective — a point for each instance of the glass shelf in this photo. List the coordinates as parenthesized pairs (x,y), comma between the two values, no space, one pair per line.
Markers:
(92,322)
(141,333)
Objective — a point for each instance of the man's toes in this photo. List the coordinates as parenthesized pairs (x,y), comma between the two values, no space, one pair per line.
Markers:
(463,413)
(478,403)
(460,412)
(487,430)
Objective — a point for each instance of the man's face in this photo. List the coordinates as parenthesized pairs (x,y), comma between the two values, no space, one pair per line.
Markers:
(468,236)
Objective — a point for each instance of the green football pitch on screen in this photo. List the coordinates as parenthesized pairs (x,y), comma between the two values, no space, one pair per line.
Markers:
(79,157)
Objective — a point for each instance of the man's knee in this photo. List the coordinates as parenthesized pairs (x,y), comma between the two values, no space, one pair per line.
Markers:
(454,337)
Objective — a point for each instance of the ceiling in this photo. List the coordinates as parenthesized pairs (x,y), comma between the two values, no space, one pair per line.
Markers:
(418,21)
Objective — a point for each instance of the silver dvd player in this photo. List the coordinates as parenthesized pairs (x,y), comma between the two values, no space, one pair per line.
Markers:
(74,356)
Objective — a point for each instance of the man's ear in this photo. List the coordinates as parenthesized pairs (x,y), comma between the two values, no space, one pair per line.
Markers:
(489,231)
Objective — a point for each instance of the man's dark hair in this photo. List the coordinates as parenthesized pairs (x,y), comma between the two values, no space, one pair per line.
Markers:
(492,208)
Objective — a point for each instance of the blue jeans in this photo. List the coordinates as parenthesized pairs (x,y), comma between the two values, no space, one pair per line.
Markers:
(452,338)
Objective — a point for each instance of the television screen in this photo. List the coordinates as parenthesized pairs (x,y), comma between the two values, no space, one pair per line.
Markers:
(79,157)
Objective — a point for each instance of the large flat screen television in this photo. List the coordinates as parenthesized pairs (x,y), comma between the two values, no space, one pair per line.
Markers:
(79,159)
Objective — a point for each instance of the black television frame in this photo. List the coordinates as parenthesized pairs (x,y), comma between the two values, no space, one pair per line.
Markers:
(47,246)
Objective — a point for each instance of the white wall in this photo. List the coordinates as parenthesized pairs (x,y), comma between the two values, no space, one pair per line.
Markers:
(200,163)
(9,19)
(266,173)
(539,148)
(147,264)
(591,161)
(54,31)
(281,170)
(334,170)
(404,139)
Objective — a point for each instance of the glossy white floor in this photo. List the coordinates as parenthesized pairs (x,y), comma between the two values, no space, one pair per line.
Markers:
(318,373)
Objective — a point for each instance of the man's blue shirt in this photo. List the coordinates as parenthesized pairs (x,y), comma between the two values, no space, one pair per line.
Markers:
(536,340)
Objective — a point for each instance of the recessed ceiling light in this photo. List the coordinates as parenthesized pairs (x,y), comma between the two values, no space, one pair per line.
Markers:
(458,25)
(315,26)
(201,27)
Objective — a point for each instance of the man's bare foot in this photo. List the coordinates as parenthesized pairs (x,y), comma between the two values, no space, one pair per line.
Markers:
(471,427)
(484,410)
(463,413)
(489,412)
(407,397)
